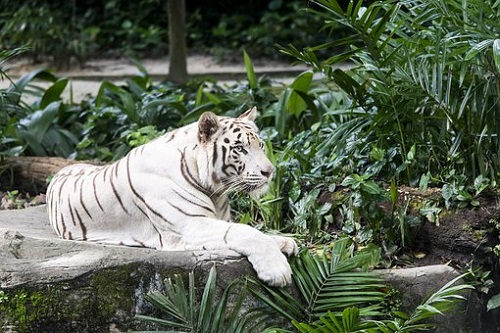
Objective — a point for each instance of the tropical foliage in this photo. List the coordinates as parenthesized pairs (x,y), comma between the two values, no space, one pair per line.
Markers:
(337,294)
(422,92)
(69,31)
(417,105)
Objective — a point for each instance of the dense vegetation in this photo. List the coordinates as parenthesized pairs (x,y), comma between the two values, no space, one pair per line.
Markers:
(61,30)
(419,107)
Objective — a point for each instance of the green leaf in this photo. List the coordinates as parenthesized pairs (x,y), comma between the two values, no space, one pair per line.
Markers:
(477,48)
(53,93)
(447,191)
(296,103)
(496,53)
(394,193)
(39,122)
(26,79)
(493,303)
(207,300)
(252,78)
(371,187)
(281,114)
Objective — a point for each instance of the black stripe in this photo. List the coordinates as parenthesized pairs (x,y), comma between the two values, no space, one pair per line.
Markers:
(194,203)
(104,173)
(138,242)
(214,157)
(115,166)
(161,239)
(186,173)
(224,156)
(71,210)
(225,235)
(81,201)
(186,213)
(141,210)
(56,222)
(117,195)
(69,235)
(140,197)
(64,225)
(171,137)
(95,192)
(82,226)
(61,186)
(75,183)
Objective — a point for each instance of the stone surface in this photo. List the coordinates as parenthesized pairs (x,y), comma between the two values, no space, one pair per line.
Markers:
(31,252)
(418,283)
(110,281)
(68,286)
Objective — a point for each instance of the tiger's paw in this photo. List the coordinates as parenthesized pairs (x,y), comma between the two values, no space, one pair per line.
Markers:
(286,244)
(272,267)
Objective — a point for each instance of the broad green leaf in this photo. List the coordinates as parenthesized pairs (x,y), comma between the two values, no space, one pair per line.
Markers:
(447,192)
(350,317)
(302,82)
(101,94)
(26,79)
(39,121)
(371,187)
(53,93)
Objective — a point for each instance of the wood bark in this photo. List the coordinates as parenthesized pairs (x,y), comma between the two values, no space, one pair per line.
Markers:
(177,71)
(29,173)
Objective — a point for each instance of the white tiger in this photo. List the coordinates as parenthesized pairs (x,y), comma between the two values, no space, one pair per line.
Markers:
(171,194)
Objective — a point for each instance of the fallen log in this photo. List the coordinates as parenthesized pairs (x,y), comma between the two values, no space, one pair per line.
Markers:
(30,173)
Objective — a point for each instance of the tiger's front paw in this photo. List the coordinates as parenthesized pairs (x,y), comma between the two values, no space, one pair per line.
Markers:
(272,267)
(287,245)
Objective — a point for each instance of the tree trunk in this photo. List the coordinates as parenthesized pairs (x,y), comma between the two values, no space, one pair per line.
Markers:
(177,71)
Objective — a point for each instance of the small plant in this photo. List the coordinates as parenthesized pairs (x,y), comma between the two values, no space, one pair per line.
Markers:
(183,310)
(14,200)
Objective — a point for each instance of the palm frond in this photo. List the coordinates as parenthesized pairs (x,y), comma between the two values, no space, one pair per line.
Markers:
(209,315)
(328,283)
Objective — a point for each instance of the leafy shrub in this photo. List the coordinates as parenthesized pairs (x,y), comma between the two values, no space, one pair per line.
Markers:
(45,127)
(424,78)
(62,30)
(49,29)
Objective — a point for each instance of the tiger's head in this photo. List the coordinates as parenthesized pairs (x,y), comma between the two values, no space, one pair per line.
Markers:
(235,156)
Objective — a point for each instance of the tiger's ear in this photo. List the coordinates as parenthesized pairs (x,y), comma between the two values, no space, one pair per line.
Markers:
(249,114)
(207,126)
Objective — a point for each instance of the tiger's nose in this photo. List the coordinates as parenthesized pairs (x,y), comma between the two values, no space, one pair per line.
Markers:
(268,171)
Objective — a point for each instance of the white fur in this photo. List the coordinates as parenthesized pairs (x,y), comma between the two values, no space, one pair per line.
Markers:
(146,200)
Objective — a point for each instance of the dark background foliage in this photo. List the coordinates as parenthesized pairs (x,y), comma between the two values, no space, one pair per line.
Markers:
(81,29)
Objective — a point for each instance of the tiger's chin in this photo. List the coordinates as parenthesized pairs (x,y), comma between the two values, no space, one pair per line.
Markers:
(258,191)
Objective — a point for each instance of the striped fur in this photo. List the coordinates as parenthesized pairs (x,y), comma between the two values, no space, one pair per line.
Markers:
(172,194)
